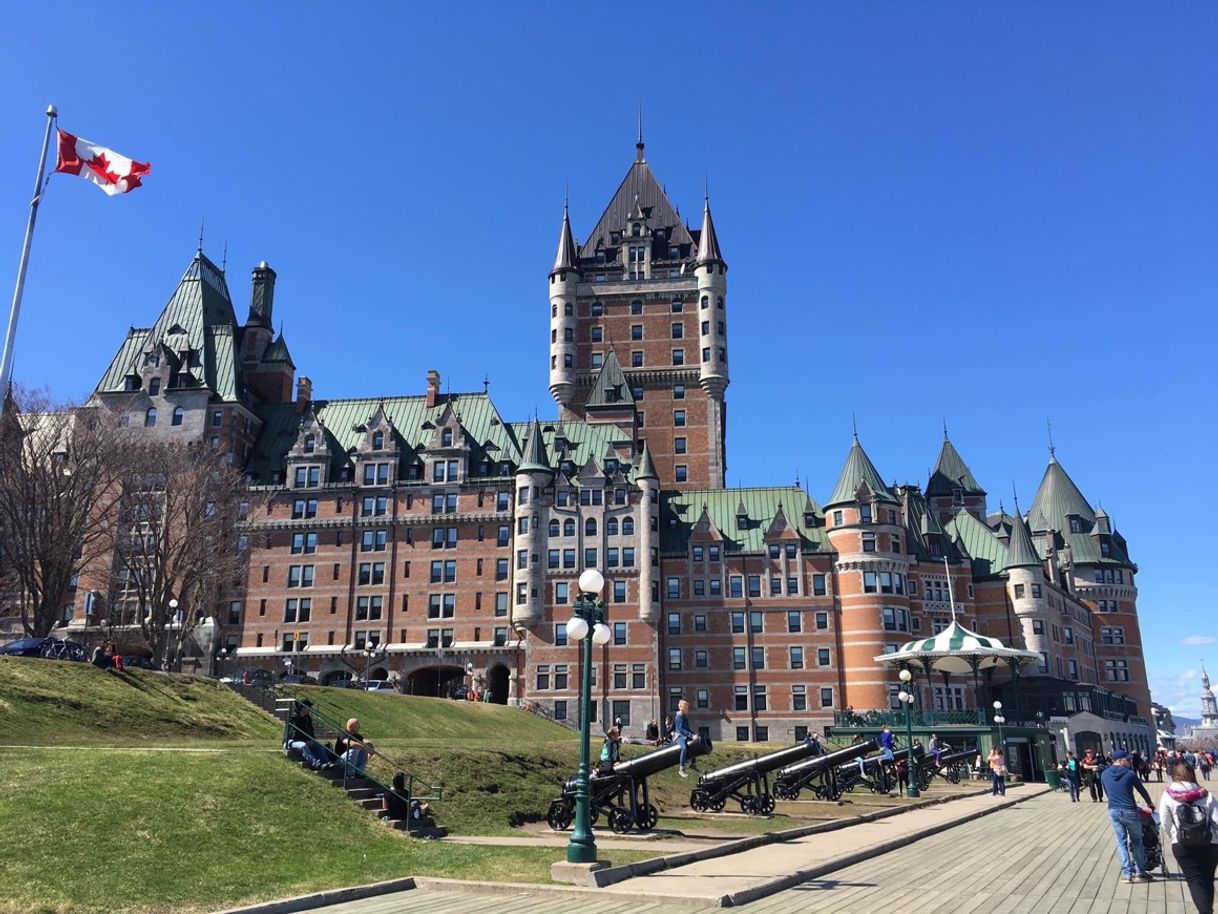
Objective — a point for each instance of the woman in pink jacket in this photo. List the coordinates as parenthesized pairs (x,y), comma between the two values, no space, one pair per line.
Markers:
(1188,816)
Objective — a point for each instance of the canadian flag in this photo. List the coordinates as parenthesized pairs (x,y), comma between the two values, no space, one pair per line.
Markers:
(113,173)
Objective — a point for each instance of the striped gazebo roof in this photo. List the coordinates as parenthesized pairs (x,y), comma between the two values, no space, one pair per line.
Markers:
(956,649)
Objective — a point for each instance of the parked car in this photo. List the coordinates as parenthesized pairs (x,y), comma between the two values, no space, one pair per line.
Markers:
(298,679)
(26,647)
(143,663)
(459,693)
(380,685)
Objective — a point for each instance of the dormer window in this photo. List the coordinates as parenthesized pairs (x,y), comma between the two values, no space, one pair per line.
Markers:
(610,466)
(310,444)
(154,387)
(635,230)
(378,441)
(742,521)
(446,438)
(600,255)
(1106,550)
(957,495)
(865,514)
(615,237)
(1075,526)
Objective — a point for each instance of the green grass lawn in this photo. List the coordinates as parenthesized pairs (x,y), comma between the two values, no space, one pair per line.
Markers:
(45,702)
(95,830)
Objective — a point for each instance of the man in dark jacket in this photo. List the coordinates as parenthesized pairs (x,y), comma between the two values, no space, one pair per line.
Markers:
(1120,781)
(301,738)
(1093,768)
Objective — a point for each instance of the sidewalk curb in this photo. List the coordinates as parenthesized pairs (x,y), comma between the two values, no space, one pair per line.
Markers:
(324,898)
(615,874)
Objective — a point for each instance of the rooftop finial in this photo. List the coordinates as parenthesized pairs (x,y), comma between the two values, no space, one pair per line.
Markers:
(224,256)
(854,422)
(201,221)
(706,188)
(945,428)
(638,146)
(1015,495)
(1052,449)
(486,383)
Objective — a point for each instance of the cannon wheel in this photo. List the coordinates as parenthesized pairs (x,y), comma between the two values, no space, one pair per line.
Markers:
(560,815)
(953,774)
(620,820)
(717,805)
(697,800)
(749,805)
(649,816)
(765,804)
(785,792)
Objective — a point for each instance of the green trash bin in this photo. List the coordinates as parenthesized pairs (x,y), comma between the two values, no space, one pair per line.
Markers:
(1053,778)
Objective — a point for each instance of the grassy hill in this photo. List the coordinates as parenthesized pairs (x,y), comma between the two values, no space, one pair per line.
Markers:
(44,702)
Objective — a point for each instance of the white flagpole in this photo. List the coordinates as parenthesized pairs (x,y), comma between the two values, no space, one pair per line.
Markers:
(6,362)
(950,595)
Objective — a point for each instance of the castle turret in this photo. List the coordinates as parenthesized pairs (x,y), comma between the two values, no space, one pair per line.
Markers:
(1024,572)
(564,280)
(711,272)
(649,544)
(533,477)
(952,488)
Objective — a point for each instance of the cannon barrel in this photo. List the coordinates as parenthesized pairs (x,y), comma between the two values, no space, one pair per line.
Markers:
(764,763)
(657,760)
(836,757)
(959,755)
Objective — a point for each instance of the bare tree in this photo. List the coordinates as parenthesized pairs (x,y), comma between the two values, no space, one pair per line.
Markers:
(175,545)
(59,467)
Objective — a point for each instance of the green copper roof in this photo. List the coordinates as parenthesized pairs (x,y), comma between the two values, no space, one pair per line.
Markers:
(1056,499)
(922,528)
(858,469)
(679,513)
(979,543)
(951,472)
(1021,551)
(278,351)
(489,437)
(199,319)
(610,389)
(534,459)
(575,442)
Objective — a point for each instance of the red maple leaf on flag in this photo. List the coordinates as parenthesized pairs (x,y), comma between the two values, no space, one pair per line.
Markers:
(99,165)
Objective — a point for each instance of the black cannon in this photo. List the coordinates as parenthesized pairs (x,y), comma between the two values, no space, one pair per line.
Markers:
(876,773)
(952,766)
(819,774)
(748,782)
(623,793)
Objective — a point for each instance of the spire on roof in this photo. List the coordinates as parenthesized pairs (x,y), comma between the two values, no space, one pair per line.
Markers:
(951,472)
(1021,551)
(610,387)
(1056,499)
(858,469)
(708,242)
(278,351)
(567,256)
(647,469)
(638,146)
(534,459)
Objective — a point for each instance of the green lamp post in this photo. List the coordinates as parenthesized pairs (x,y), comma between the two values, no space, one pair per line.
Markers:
(906,698)
(587,625)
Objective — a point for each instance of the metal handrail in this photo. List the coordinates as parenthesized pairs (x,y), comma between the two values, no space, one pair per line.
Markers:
(435,791)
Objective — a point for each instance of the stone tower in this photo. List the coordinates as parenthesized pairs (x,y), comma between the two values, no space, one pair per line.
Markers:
(652,292)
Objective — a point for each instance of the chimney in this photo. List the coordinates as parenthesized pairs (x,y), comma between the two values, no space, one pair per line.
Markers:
(433,388)
(262,296)
(304,394)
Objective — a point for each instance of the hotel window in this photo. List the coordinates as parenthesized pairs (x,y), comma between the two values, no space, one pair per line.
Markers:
(1019,591)
(755,622)
(895,620)
(619,591)
(822,621)
(826,698)
(738,658)
(638,676)
(678,418)
(674,658)
(822,656)
(678,392)
(740,696)
(716,587)
(737,623)
(760,700)
(818,585)
(735,586)
(754,585)
(678,357)
(1112,635)
(799,698)
(869,542)
(678,331)
(701,659)
(682,472)
(619,633)
(758,658)
(869,582)
(794,621)
(797,658)
(703,698)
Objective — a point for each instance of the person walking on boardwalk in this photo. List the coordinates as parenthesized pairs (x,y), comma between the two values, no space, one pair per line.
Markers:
(1093,767)
(1073,774)
(1189,817)
(1120,781)
(998,771)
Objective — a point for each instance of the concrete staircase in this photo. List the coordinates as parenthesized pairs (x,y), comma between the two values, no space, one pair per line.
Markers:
(370,796)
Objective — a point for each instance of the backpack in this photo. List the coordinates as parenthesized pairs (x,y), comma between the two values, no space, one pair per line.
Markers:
(1192,825)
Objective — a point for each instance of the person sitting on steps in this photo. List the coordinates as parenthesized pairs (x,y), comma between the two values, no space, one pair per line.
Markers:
(353,750)
(301,738)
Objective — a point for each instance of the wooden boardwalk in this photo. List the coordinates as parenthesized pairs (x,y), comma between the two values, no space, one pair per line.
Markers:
(1043,856)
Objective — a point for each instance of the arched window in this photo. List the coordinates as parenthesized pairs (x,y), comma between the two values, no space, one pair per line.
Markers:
(554,310)
(636,230)
(590,527)
(705,301)
(154,387)
(178,415)
(611,526)
(568,527)
(150,417)
(378,440)
(310,444)
(554,528)
(627,526)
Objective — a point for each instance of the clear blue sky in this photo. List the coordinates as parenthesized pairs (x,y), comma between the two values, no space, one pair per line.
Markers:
(996,213)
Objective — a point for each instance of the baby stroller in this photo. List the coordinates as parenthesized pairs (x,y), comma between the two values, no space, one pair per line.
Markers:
(1151,844)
